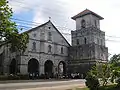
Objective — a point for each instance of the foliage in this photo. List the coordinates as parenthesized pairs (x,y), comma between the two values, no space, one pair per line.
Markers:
(92,82)
(19,42)
(115,72)
(115,59)
(9,77)
(108,72)
(115,66)
(102,72)
(42,76)
(13,77)
(109,87)
(23,77)
(8,29)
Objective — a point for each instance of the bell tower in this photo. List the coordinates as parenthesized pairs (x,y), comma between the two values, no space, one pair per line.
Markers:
(86,19)
(88,42)
(87,29)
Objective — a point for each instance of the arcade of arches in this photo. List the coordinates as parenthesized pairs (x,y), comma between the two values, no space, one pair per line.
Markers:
(48,68)
(33,67)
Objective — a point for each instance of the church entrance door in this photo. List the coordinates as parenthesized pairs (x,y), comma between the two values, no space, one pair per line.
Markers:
(33,67)
(48,69)
(62,68)
(13,67)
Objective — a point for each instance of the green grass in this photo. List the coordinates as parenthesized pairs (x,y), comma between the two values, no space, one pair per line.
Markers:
(82,89)
(79,89)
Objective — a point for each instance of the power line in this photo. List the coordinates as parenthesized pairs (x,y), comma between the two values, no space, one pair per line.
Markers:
(113,36)
(36,24)
(70,34)
(32,27)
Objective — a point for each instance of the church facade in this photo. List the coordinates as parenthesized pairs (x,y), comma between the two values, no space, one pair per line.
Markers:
(49,53)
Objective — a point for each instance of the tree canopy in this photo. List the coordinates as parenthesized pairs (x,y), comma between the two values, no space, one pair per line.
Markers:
(8,29)
(115,59)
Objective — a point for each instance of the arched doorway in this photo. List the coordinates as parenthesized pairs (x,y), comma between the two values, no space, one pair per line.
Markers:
(33,66)
(48,68)
(62,68)
(13,67)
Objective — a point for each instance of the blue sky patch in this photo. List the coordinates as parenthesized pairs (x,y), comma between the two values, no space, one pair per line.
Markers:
(23,20)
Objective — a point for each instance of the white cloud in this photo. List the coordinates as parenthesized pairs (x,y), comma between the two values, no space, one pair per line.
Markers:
(61,12)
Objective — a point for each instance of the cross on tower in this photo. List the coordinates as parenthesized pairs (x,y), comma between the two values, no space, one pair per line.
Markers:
(49,18)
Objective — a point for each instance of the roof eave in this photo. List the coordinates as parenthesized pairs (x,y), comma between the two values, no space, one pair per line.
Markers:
(76,16)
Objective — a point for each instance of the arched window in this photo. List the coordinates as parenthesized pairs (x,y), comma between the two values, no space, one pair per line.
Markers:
(85,40)
(95,23)
(34,46)
(77,42)
(61,50)
(34,34)
(49,36)
(83,23)
(101,42)
(98,41)
(49,48)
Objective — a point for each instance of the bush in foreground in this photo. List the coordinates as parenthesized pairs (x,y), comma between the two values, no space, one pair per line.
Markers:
(92,82)
(14,77)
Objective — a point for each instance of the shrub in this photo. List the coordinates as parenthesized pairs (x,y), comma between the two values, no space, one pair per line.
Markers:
(42,76)
(109,87)
(3,77)
(118,82)
(23,77)
(13,77)
(92,82)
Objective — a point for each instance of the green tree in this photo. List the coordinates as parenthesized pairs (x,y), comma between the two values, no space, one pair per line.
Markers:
(115,66)
(115,60)
(92,81)
(101,72)
(8,29)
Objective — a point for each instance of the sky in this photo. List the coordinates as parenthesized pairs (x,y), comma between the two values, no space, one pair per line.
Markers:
(31,13)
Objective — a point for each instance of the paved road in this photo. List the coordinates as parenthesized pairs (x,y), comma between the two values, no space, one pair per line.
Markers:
(50,85)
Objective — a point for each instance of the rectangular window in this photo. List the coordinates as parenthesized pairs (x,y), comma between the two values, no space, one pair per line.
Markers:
(42,46)
(49,36)
(42,35)
(34,46)
(61,50)
(49,48)
(55,49)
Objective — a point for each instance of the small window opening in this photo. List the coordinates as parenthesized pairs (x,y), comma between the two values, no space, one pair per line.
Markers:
(77,41)
(49,48)
(85,40)
(61,50)
(34,46)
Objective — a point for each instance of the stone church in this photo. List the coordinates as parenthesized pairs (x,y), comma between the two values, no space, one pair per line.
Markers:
(49,53)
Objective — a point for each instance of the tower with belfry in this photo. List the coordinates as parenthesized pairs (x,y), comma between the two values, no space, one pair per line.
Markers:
(88,43)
